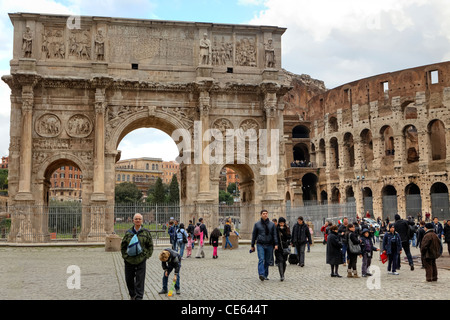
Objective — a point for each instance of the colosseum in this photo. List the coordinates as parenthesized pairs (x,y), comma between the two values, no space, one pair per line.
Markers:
(379,142)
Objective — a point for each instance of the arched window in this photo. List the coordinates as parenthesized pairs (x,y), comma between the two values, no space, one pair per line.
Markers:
(300,132)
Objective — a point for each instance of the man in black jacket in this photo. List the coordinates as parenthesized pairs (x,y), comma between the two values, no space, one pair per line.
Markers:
(402,227)
(265,236)
(300,237)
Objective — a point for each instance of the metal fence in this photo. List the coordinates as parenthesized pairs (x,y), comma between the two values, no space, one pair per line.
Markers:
(318,213)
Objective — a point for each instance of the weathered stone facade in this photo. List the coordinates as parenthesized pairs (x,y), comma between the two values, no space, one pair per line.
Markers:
(76,92)
(379,141)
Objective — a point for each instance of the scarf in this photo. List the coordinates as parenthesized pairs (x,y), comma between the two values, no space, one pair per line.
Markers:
(265,223)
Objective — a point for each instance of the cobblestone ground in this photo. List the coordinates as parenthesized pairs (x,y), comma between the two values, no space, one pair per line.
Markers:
(28,273)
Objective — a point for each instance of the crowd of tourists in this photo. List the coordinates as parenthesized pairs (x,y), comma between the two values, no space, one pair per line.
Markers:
(273,240)
(348,241)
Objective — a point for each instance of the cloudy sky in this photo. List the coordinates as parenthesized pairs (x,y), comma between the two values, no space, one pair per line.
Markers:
(334,41)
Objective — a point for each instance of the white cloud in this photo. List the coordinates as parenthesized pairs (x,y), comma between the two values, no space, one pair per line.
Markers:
(150,142)
(341,41)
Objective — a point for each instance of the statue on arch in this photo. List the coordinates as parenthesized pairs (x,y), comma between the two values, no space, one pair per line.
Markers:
(205,50)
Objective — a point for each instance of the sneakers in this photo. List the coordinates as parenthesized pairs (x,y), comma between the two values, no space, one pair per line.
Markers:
(177,291)
(395,273)
(163,291)
(262,278)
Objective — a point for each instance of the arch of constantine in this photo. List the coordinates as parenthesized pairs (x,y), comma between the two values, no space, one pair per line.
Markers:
(77,90)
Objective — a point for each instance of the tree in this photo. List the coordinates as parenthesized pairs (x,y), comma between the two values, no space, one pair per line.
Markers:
(174,190)
(126,192)
(159,192)
(3,179)
(225,197)
(232,189)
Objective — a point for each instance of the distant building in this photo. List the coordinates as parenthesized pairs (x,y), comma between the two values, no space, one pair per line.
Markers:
(141,171)
(169,169)
(5,161)
(66,184)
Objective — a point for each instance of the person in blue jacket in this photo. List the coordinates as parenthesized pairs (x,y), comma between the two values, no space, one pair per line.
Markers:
(392,245)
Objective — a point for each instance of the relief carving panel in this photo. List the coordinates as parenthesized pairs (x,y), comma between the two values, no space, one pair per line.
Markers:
(79,126)
(48,125)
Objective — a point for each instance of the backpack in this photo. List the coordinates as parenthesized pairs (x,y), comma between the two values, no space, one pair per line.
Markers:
(184,237)
(197,231)
(411,231)
(134,247)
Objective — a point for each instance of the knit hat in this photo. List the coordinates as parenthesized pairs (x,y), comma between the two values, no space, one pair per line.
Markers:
(281,219)
(429,226)
(365,230)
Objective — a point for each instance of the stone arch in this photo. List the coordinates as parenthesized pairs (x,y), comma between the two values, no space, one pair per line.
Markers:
(349,194)
(436,132)
(349,150)
(147,118)
(411,142)
(333,124)
(309,187)
(387,136)
(367,146)
(50,165)
(300,131)
(413,200)
(334,153)
(389,201)
(301,152)
(335,195)
(440,201)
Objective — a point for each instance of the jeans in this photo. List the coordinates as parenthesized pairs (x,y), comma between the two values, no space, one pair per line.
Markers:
(301,253)
(135,279)
(265,255)
(227,242)
(366,262)
(393,260)
(181,245)
(166,280)
(344,252)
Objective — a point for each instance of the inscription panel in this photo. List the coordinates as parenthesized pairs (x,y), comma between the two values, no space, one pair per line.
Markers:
(169,46)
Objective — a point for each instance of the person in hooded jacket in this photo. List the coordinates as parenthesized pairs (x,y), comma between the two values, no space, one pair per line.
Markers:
(392,245)
(367,249)
(284,237)
(334,255)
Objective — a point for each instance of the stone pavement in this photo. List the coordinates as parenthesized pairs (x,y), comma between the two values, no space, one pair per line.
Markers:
(29,273)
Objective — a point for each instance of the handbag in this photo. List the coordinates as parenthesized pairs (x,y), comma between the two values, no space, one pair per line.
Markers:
(354,248)
(384,257)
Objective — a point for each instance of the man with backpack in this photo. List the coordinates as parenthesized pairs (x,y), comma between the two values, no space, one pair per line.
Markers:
(136,248)
(403,228)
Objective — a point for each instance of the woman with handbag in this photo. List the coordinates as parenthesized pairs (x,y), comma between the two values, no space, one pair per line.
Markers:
(282,253)
(354,250)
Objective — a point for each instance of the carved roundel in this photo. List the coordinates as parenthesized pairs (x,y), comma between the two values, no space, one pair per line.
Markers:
(249,130)
(79,126)
(48,125)
(223,125)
